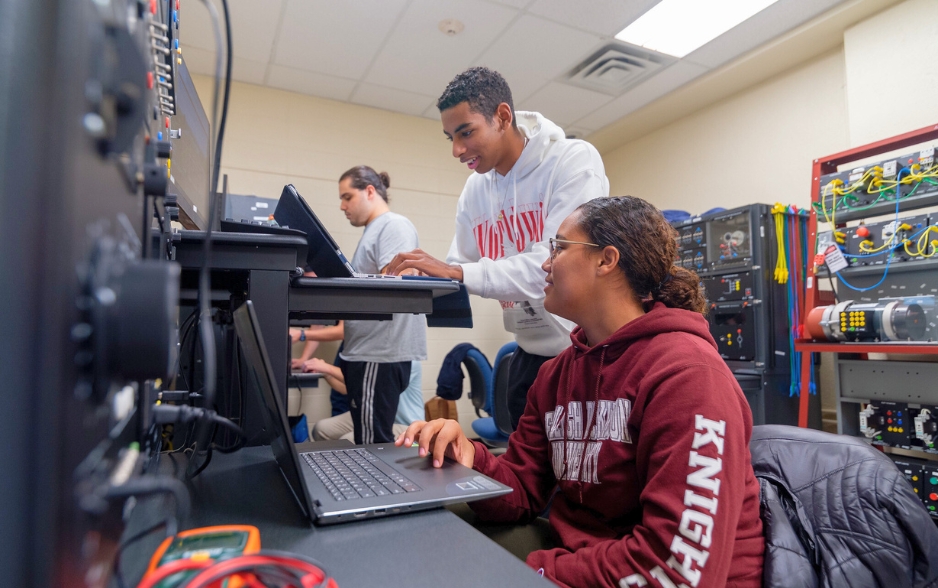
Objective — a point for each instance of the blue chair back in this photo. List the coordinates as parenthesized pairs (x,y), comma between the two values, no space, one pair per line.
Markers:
(480,378)
(494,429)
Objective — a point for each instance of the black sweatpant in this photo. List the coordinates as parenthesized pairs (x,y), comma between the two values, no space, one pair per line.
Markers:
(522,371)
(374,390)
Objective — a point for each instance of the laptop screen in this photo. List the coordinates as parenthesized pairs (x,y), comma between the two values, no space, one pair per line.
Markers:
(275,417)
(324,256)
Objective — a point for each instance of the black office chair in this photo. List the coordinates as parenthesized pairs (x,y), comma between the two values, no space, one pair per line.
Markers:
(836,512)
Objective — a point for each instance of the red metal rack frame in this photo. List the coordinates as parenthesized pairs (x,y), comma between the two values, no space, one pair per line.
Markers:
(827,165)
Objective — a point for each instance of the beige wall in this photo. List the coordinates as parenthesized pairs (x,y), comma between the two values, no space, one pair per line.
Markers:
(891,86)
(754,147)
(274,137)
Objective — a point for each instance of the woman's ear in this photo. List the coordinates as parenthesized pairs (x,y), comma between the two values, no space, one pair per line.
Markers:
(608,260)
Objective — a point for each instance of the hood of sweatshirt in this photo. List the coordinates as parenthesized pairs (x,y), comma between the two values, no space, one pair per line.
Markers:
(541,133)
(659,319)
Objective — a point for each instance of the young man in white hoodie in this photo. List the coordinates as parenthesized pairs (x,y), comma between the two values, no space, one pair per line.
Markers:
(528,178)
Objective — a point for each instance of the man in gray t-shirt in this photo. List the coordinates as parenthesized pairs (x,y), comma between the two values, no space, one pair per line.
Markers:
(377,355)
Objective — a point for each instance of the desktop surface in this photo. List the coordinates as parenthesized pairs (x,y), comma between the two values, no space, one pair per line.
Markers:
(429,548)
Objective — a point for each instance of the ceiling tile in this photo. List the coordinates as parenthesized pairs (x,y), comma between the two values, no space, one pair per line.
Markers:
(335,38)
(203,62)
(603,17)
(654,87)
(432,112)
(577,132)
(419,58)
(253,27)
(392,99)
(514,3)
(563,103)
(199,61)
(307,82)
(533,51)
(762,27)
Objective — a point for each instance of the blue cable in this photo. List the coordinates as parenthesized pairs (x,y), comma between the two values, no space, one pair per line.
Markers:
(888,259)
(793,386)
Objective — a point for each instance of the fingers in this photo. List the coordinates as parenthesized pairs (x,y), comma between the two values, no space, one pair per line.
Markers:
(438,439)
(408,260)
(400,258)
(448,441)
(409,434)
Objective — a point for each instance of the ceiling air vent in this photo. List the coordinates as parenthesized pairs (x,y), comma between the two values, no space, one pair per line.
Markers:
(616,67)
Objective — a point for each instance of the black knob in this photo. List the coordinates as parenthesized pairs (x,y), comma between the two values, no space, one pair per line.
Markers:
(155,182)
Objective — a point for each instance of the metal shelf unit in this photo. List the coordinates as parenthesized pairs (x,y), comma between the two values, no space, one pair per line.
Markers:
(857,379)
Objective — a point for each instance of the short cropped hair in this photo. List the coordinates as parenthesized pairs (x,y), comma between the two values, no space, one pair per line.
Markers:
(484,89)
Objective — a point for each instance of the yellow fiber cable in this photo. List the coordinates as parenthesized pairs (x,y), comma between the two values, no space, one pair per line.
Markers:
(781,264)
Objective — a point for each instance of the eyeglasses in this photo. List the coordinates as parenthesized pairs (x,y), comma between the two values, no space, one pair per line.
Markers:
(553,245)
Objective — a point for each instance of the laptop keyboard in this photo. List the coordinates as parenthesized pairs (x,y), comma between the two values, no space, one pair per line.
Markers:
(350,474)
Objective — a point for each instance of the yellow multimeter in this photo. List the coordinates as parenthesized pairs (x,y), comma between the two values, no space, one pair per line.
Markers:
(203,544)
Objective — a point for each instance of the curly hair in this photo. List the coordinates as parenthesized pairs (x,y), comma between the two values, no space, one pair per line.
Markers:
(482,88)
(647,249)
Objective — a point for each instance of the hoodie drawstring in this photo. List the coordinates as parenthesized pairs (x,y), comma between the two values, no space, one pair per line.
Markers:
(592,422)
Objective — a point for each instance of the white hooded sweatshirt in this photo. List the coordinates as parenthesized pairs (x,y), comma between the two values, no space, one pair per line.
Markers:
(503,223)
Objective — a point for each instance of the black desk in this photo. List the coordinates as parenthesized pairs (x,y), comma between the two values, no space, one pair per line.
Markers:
(257,267)
(362,298)
(246,266)
(430,548)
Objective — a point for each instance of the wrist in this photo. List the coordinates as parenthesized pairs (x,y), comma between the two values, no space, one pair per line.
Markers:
(302,334)
(456,273)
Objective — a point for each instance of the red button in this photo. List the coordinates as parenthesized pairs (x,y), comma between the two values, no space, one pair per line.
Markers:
(167,122)
(177,4)
(933,496)
(863,231)
(889,412)
(149,80)
(152,6)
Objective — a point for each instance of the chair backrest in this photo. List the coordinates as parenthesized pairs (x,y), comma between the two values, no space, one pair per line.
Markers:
(500,388)
(830,506)
(480,378)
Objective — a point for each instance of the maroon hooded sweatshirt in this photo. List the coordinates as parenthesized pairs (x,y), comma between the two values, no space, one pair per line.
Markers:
(645,437)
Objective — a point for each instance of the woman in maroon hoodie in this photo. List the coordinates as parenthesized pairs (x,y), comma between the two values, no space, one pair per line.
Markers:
(639,426)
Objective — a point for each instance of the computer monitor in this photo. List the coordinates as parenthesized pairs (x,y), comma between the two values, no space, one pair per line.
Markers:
(192,150)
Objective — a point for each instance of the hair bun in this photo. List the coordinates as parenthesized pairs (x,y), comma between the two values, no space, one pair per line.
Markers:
(385,179)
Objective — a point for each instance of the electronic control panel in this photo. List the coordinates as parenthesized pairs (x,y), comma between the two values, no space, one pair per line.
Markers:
(716,242)
(922,476)
(887,423)
(906,239)
(875,183)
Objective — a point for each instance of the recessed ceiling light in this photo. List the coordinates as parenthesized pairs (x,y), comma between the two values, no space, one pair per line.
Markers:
(451,26)
(677,27)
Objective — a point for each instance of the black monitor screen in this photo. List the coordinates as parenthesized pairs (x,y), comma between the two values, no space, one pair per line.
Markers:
(191,161)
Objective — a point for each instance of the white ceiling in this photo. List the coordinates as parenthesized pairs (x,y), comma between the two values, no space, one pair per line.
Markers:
(390,54)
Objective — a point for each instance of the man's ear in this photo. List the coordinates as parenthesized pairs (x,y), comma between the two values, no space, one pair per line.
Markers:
(370,192)
(504,115)
(608,260)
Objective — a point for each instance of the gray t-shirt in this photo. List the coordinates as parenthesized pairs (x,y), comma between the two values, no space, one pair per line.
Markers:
(405,337)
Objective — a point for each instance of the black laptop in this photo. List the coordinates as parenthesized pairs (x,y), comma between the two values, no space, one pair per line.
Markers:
(360,481)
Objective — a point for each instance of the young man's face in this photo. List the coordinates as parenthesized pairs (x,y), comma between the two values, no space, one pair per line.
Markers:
(477,142)
(354,203)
